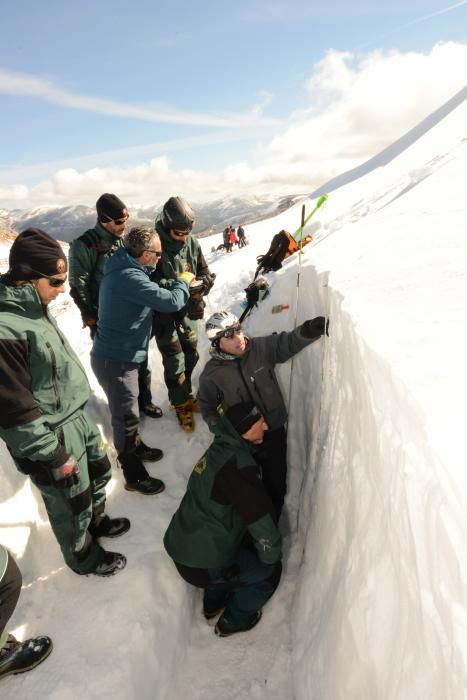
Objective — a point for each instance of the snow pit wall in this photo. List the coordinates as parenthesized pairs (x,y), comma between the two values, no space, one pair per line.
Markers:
(378,607)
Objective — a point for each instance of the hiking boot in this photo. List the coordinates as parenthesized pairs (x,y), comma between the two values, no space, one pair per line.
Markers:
(110,564)
(185,416)
(18,657)
(148,487)
(211,612)
(151,410)
(224,628)
(213,608)
(148,454)
(194,404)
(109,527)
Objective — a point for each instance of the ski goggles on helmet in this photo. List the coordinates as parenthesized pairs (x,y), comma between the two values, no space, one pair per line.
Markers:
(230,332)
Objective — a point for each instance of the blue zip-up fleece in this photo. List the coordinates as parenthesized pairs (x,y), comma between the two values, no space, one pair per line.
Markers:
(127,298)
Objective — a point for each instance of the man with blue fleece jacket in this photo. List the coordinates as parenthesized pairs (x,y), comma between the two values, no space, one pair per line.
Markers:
(127,298)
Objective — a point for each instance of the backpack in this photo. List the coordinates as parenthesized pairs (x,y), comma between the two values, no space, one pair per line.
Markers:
(282,245)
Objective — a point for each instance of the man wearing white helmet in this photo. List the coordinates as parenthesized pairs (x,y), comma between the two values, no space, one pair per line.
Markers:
(241,369)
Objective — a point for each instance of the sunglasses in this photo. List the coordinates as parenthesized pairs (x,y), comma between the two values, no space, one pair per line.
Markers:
(230,332)
(180,234)
(157,253)
(53,281)
(118,222)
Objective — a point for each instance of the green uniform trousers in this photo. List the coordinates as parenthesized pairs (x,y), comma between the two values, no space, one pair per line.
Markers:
(177,342)
(72,509)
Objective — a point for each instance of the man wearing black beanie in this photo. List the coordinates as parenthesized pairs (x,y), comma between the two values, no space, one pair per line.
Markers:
(223,537)
(43,392)
(87,257)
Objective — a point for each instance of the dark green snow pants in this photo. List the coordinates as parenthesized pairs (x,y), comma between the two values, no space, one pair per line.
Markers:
(71,510)
(177,342)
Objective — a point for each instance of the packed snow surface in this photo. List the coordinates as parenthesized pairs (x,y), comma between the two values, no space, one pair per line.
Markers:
(372,603)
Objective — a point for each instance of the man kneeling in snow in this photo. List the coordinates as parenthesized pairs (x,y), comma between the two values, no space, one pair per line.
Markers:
(223,537)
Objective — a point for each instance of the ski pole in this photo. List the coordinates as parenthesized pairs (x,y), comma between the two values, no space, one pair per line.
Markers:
(318,204)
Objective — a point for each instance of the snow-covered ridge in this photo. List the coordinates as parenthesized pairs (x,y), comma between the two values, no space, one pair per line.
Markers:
(67,222)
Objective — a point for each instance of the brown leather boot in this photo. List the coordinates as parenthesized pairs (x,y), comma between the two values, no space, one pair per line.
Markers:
(184,413)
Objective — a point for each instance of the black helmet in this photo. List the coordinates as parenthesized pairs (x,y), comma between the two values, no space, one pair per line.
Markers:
(177,214)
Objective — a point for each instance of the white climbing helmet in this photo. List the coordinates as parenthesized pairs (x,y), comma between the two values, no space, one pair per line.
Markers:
(218,323)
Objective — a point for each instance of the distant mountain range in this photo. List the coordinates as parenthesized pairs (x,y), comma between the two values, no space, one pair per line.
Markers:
(67,222)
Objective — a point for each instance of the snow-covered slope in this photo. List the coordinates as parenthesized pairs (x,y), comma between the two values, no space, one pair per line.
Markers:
(372,604)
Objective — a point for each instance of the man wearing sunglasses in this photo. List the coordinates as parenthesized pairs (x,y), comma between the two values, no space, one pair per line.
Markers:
(127,299)
(87,257)
(176,334)
(43,392)
(241,368)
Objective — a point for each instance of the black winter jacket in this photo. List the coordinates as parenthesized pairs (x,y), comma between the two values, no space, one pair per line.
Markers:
(250,377)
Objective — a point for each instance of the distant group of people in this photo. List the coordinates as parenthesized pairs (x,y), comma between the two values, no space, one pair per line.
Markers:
(230,238)
(129,287)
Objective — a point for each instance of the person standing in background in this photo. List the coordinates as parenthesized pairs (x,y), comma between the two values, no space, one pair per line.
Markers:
(87,257)
(176,334)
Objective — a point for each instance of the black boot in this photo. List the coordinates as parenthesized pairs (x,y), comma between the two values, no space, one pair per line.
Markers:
(224,628)
(109,564)
(148,454)
(18,657)
(109,527)
(137,477)
(151,410)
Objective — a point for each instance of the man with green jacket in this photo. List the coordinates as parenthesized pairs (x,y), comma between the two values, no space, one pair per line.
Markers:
(87,257)
(16,657)
(43,392)
(176,333)
(223,537)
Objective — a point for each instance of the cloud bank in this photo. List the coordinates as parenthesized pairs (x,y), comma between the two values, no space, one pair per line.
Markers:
(357,104)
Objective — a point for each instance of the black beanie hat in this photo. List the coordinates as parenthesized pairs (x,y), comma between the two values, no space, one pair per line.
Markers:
(35,254)
(110,207)
(243,416)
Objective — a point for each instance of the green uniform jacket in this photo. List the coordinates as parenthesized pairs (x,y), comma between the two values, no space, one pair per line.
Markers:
(86,259)
(225,498)
(177,257)
(42,382)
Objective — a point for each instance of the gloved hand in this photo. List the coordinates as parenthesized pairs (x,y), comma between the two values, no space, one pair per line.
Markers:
(314,328)
(187,276)
(67,474)
(208,282)
(197,289)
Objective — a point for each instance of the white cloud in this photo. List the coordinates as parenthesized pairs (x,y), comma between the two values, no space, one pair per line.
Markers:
(12,83)
(358,105)
(366,103)
(17,194)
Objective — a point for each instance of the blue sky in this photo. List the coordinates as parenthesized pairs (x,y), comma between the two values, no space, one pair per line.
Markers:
(206,90)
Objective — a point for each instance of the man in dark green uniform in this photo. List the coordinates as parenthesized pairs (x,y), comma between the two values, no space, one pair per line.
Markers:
(223,537)
(43,392)
(176,333)
(87,257)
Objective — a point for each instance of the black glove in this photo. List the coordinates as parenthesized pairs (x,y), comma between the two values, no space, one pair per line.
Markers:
(314,328)
(208,282)
(67,474)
